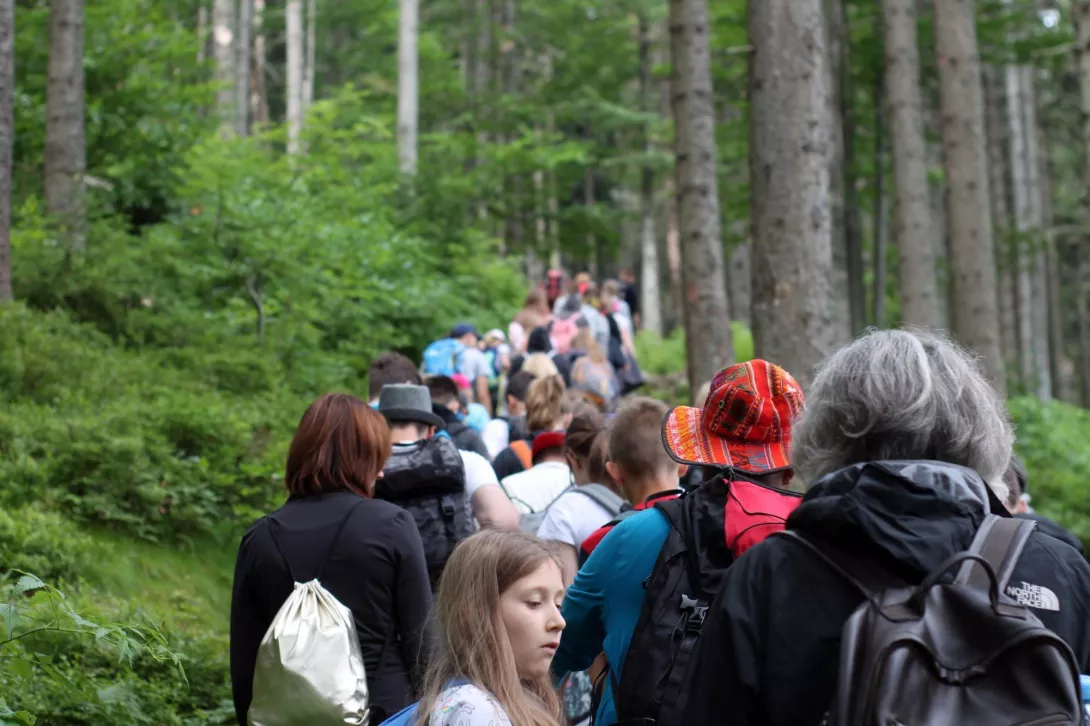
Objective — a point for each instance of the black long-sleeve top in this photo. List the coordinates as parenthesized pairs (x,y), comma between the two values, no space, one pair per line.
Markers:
(376,570)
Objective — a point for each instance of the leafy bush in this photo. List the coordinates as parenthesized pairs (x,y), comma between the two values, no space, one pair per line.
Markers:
(33,540)
(1051,440)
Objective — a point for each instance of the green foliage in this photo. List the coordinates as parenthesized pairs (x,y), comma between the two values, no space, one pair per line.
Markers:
(42,634)
(1051,440)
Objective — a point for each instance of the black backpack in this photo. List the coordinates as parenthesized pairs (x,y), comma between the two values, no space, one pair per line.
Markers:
(428,480)
(699,548)
(950,652)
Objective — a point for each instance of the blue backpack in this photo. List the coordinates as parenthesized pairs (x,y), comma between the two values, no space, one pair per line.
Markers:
(443,357)
(407,715)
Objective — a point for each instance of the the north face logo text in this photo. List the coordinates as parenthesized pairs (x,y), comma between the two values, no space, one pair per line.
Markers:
(1034,596)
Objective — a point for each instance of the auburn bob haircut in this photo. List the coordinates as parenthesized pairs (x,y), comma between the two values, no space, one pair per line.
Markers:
(340,445)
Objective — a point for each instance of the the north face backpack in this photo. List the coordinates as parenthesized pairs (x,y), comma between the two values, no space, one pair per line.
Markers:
(443,357)
(309,668)
(710,527)
(948,653)
(428,480)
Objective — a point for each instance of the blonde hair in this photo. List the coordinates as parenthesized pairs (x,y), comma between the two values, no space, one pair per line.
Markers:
(540,365)
(584,340)
(473,644)
(544,403)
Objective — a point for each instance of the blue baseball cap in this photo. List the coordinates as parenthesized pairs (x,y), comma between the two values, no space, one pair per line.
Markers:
(464,329)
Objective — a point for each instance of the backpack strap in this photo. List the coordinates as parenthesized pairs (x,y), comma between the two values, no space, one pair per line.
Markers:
(524,453)
(1000,541)
(604,497)
(329,551)
(864,574)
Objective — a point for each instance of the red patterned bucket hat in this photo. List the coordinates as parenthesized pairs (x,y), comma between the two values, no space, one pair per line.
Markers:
(745,422)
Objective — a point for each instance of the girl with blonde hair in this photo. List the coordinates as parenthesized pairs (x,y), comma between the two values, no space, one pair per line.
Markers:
(498,613)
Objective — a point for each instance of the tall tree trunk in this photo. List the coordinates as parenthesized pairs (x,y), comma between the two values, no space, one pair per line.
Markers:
(202,34)
(308,67)
(1020,194)
(65,145)
(223,46)
(1037,257)
(7,134)
(1080,11)
(972,261)
(838,67)
(259,97)
(740,282)
(650,297)
(853,228)
(1057,356)
(243,68)
(294,20)
(708,342)
(881,239)
(408,88)
(912,213)
(789,184)
(1001,216)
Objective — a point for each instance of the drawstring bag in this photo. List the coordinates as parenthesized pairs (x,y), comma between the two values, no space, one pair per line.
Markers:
(309,668)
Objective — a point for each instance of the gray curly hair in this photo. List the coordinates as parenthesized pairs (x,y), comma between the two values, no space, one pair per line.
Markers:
(902,395)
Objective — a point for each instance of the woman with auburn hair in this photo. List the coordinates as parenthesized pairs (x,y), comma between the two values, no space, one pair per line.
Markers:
(367,553)
(498,612)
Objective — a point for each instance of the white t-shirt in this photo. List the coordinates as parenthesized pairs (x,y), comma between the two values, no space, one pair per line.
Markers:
(573,518)
(496,436)
(535,489)
(467,705)
(478,471)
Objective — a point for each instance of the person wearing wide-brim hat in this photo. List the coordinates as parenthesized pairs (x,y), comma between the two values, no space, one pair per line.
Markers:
(408,410)
(744,424)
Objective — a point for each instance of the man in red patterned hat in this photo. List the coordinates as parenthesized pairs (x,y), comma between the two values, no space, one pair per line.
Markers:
(641,596)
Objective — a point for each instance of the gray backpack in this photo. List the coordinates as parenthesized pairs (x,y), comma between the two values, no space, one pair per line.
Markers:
(603,496)
(428,480)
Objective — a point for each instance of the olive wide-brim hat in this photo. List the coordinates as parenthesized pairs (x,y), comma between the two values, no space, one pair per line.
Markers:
(405,403)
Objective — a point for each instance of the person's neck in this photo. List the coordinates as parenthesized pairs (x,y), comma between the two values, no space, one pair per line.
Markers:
(642,490)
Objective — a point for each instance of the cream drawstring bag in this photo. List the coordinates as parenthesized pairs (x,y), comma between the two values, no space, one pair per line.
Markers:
(309,669)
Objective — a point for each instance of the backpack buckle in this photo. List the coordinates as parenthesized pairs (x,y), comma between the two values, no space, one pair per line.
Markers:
(697,613)
(447,507)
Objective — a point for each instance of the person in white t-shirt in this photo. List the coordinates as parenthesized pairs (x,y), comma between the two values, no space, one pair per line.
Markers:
(575,515)
(533,490)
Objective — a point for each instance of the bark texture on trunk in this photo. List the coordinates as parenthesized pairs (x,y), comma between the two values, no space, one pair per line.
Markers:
(308,67)
(259,97)
(838,63)
(1036,257)
(740,283)
(1020,196)
(972,261)
(789,183)
(65,143)
(1080,11)
(243,68)
(853,226)
(202,34)
(7,134)
(1082,302)
(912,213)
(881,238)
(707,318)
(998,169)
(223,50)
(650,296)
(408,88)
(294,21)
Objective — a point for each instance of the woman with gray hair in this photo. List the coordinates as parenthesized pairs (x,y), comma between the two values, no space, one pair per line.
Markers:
(903,446)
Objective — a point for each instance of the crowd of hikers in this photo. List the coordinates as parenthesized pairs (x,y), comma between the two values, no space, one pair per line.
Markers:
(501,535)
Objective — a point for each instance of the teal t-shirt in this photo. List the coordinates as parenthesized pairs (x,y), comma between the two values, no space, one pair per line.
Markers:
(603,603)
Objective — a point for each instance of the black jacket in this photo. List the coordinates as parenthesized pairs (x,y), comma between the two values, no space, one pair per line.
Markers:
(770,645)
(376,570)
(465,438)
(1053,528)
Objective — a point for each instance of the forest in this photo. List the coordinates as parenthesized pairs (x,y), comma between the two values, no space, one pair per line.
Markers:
(212,211)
